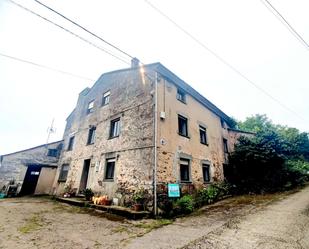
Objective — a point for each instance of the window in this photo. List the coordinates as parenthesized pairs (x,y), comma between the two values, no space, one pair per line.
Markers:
(90,107)
(71,143)
(206,173)
(115,128)
(181,96)
(182,126)
(203,135)
(225,147)
(52,152)
(222,123)
(110,169)
(105,99)
(184,170)
(63,173)
(91,135)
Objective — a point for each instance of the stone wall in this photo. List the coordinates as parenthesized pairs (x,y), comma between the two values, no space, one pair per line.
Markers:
(131,100)
(14,166)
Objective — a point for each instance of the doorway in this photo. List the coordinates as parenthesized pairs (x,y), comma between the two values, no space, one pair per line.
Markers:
(84,178)
(30,180)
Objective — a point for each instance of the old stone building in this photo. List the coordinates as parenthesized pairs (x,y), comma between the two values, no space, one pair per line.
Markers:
(142,127)
(31,171)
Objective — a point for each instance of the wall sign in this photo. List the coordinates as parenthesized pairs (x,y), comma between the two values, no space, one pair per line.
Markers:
(173,190)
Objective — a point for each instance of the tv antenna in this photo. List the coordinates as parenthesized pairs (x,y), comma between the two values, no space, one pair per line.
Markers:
(50,130)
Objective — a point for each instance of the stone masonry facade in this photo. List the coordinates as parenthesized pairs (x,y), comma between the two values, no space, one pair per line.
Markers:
(109,139)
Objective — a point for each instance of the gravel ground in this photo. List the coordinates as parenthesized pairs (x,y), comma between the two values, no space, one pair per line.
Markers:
(269,221)
(281,225)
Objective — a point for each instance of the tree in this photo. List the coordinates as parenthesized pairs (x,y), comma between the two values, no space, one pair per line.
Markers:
(256,123)
(275,158)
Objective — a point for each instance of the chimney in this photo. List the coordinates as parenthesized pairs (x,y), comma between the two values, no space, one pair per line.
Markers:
(134,62)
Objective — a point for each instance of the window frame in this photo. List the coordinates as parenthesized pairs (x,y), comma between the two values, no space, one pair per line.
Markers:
(90,109)
(181,96)
(204,166)
(63,174)
(106,97)
(225,146)
(91,135)
(52,153)
(110,162)
(184,162)
(112,128)
(203,129)
(180,117)
(71,143)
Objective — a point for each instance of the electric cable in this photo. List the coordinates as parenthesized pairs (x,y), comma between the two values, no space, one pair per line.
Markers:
(85,29)
(222,60)
(70,32)
(284,21)
(44,66)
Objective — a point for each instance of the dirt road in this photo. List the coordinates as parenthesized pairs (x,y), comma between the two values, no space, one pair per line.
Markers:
(284,224)
(270,221)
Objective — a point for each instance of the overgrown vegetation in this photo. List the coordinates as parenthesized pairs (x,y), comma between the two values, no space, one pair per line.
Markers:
(276,158)
(189,202)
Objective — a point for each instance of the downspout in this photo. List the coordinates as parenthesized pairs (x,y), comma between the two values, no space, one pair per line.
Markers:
(155,145)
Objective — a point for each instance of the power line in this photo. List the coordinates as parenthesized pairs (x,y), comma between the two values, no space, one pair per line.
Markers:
(284,21)
(70,32)
(222,59)
(44,66)
(85,29)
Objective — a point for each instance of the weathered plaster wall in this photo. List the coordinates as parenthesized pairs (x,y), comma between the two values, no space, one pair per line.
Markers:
(172,146)
(14,165)
(130,100)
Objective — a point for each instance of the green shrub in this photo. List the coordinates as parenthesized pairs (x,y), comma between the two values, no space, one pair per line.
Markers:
(213,193)
(209,195)
(185,205)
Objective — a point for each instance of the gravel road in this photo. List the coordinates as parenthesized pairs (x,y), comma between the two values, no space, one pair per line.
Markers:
(281,225)
(268,221)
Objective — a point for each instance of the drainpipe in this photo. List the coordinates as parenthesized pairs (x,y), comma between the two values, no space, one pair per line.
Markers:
(155,145)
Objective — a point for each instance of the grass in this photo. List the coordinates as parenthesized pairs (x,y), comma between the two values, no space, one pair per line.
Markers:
(32,224)
(154,224)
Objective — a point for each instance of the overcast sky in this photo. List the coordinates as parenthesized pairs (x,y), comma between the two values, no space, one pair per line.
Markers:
(245,33)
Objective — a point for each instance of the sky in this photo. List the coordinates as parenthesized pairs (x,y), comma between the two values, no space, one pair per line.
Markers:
(244,33)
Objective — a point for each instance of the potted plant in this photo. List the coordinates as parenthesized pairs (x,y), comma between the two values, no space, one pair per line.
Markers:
(139,199)
(88,194)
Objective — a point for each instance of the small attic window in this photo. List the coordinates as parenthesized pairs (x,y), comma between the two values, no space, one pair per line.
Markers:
(181,95)
(90,107)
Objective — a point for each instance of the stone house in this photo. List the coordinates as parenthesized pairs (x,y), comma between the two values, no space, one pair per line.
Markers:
(30,171)
(142,127)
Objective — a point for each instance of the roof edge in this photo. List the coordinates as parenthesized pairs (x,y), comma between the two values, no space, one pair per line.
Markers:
(241,131)
(35,147)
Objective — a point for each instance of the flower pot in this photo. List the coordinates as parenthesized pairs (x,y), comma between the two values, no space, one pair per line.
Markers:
(138,207)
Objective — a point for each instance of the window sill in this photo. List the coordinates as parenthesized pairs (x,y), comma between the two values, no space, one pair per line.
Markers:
(104,105)
(184,102)
(62,180)
(90,144)
(108,180)
(183,135)
(205,144)
(113,137)
(186,182)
